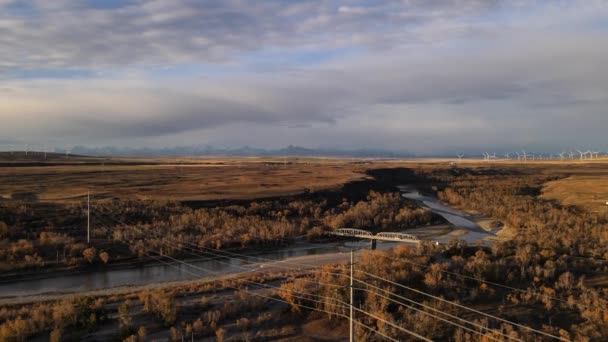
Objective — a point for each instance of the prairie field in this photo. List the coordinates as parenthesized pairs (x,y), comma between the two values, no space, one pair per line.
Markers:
(587,192)
(60,180)
(557,242)
(187,180)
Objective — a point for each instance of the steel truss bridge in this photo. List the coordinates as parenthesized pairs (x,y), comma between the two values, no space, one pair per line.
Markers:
(383,236)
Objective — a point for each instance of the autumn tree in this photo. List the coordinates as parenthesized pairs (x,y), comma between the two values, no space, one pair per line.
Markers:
(89,254)
(55,335)
(198,326)
(104,257)
(141,334)
(220,334)
(124,318)
(3,230)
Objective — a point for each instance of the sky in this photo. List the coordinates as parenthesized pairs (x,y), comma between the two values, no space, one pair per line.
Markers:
(424,76)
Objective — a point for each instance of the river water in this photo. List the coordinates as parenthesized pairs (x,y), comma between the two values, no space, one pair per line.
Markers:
(156,273)
(466,229)
(213,266)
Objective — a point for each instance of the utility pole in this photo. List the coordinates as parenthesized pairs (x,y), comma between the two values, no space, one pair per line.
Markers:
(88,217)
(352,291)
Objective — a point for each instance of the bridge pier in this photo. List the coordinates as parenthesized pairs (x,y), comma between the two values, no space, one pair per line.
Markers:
(373,244)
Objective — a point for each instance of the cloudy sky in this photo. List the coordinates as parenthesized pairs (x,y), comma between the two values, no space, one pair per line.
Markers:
(427,76)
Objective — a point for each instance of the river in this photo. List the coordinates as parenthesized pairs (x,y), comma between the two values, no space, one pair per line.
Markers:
(465,228)
(156,273)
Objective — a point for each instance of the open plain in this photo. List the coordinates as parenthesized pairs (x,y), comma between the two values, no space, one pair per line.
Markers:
(188,247)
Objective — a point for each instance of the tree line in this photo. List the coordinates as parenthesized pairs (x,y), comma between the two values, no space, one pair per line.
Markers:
(126,229)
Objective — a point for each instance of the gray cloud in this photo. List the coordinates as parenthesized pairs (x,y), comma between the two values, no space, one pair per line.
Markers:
(497,90)
(68,33)
(427,75)
(118,108)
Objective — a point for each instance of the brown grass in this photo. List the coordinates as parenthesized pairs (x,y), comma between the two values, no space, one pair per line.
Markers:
(587,192)
(205,180)
(582,184)
(192,179)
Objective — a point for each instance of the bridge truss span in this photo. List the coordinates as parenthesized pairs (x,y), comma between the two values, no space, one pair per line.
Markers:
(383,236)
(353,232)
(394,236)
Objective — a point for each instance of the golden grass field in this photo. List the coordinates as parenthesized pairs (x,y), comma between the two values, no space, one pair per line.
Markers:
(207,180)
(587,192)
(584,184)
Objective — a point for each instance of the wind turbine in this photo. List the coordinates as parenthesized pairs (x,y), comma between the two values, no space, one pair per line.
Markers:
(518,156)
(525,155)
(508,155)
(596,153)
(460,156)
(581,153)
(561,155)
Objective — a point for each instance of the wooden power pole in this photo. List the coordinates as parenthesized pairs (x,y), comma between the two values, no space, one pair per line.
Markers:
(352,291)
(88,217)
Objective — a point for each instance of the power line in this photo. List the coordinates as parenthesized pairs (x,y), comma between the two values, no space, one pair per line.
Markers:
(327,284)
(433,309)
(470,309)
(283,301)
(199,248)
(447,321)
(459,305)
(227,251)
(310,294)
(308,307)
(324,297)
(493,283)
(440,318)
(463,307)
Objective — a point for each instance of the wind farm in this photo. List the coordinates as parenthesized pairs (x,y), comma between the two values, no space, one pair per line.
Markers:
(523,156)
